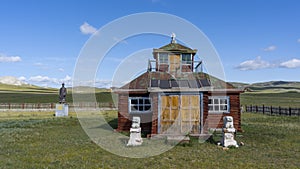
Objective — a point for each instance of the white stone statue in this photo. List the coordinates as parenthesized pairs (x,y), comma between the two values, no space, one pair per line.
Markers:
(135,132)
(173,38)
(228,132)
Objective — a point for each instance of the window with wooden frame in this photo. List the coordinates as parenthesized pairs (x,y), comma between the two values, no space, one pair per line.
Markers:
(218,104)
(139,104)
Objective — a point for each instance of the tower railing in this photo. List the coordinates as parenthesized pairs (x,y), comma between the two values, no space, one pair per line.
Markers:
(183,66)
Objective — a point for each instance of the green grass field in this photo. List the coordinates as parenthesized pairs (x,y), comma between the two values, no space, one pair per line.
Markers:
(285,99)
(39,140)
(31,97)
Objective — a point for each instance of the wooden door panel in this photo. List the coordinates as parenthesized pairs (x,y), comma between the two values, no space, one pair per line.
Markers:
(165,101)
(181,113)
(185,115)
(174,63)
(174,114)
(165,115)
(185,127)
(174,102)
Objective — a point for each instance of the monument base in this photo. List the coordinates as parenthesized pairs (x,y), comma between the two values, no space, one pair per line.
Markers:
(61,110)
(135,137)
(228,140)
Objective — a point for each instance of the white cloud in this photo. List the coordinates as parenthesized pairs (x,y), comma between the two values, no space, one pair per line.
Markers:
(47,81)
(4,58)
(11,80)
(86,28)
(255,64)
(42,79)
(67,79)
(61,69)
(293,63)
(270,48)
(22,78)
(56,82)
(100,83)
(298,40)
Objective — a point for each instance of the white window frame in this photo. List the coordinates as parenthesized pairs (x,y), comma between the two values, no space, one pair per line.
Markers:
(141,103)
(184,62)
(216,104)
(165,60)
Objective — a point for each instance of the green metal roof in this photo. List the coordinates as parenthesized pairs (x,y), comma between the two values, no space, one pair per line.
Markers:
(175,47)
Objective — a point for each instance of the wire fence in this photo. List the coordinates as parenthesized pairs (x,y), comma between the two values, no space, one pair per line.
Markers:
(273,110)
(51,106)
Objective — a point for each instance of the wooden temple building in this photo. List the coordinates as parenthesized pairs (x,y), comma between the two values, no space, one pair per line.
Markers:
(175,97)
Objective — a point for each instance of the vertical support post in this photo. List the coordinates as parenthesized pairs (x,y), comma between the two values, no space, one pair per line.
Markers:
(279,110)
(271,110)
(263,109)
(290,111)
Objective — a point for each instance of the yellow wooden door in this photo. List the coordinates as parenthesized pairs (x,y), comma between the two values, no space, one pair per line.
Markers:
(180,115)
(174,63)
(169,112)
(190,114)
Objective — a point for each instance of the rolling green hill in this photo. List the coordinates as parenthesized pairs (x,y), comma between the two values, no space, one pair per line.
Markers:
(25,88)
(270,87)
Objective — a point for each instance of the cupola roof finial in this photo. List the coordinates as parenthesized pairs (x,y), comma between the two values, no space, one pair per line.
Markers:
(173,37)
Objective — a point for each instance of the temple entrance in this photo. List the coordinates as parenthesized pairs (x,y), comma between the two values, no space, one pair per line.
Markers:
(180,114)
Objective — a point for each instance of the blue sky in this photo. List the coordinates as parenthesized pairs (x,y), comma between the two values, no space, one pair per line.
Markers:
(256,40)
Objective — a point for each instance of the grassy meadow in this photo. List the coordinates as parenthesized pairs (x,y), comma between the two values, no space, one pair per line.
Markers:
(39,140)
(284,99)
(31,97)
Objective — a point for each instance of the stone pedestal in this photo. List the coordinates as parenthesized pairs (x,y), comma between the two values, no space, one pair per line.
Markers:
(135,133)
(135,137)
(61,110)
(228,132)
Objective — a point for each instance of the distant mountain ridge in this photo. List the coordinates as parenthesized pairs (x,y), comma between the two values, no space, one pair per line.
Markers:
(276,86)
(10,83)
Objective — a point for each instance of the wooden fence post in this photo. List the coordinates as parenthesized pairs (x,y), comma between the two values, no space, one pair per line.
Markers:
(290,111)
(271,110)
(263,109)
(279,110)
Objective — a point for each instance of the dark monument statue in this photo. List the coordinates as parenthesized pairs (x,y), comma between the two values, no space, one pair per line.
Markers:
(62,94)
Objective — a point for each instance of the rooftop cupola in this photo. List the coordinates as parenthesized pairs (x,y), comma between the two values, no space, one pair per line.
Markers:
(174,58)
